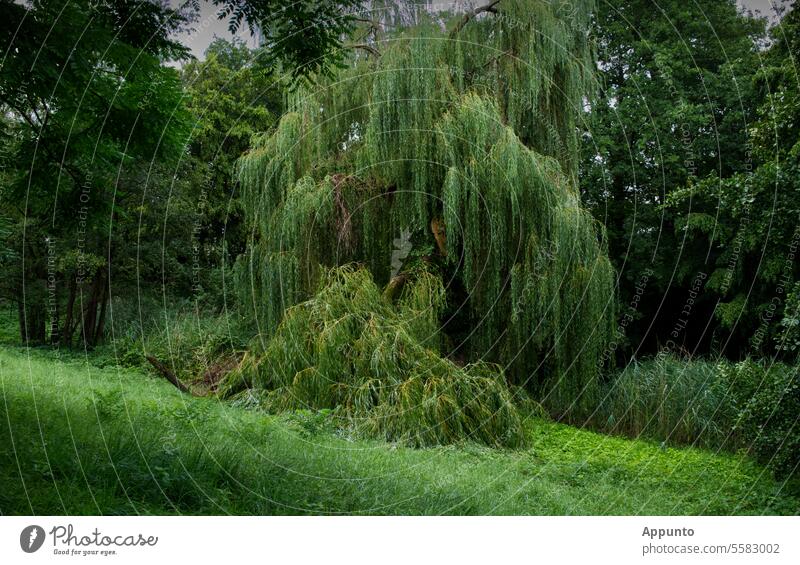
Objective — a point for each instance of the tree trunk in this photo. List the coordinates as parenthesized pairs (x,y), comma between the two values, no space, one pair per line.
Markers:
(32,322)
(21,318)
(167,374)
(90,314)
(55,317)
(101,318)
(66,334)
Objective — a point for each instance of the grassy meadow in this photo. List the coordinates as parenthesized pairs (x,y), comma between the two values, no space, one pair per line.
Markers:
(80,438)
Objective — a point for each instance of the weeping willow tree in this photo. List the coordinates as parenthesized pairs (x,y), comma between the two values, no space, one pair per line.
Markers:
(456,150)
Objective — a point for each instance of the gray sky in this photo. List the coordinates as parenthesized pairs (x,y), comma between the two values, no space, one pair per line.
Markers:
(209,25)
(763,6)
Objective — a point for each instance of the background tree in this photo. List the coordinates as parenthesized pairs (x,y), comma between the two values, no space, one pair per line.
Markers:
(232,95)
(85,107)
(676,97)
(745,223)
(304,37)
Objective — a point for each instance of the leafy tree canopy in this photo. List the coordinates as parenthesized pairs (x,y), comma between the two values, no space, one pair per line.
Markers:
(456,140)
(675,99)
(745,224)
(85,108)
(305,36)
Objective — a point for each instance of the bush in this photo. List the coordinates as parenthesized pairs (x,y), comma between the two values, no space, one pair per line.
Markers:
(769,417)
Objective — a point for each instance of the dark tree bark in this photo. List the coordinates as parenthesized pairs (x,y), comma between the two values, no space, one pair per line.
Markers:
(167,374)
(66,333)
(395,286)
(97,296)
(55,317)
(101,318)
(32,322)
(490,7)
(88,318)
(21,318)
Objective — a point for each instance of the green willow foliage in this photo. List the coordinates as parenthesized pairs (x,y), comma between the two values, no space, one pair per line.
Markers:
(350,347)
(467,141)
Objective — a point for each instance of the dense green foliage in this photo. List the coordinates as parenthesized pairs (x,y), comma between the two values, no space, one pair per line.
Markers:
(77,151)
(304,37)
(97,184)
(750,218)
(350,347)
(418,142)
(198,349)
(232,95)
(112,441)
(688,163)
(767,420)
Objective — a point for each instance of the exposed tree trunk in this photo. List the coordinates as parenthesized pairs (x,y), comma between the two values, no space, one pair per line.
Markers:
(55,317)
(395,285)
(440,235)
(32,308)
(366,47)
(90,319)
(32,322)
(66,333)
(101,319)
(21,318)
(39,330)
(88,315)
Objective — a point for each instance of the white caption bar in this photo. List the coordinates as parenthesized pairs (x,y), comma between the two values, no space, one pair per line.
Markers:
(401,540)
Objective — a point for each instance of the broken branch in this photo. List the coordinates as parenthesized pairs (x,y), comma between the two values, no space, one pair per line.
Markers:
(167,374)
(490,7)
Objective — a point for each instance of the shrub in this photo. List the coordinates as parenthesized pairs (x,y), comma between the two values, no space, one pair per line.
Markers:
(191,345)
(769,417)
(788,340)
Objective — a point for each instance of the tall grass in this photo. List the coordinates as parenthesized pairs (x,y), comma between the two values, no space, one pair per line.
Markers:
(753,406)
(191,344)
(669,400)
(77,439)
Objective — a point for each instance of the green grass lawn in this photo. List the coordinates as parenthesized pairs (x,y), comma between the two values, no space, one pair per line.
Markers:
(79,439)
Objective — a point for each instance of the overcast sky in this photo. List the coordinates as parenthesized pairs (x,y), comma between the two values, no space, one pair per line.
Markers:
(209,25)
(763,6)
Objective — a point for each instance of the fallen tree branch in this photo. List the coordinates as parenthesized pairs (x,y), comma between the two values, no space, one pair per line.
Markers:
(490,7)
(374,25)
(167,374)
(365,47)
